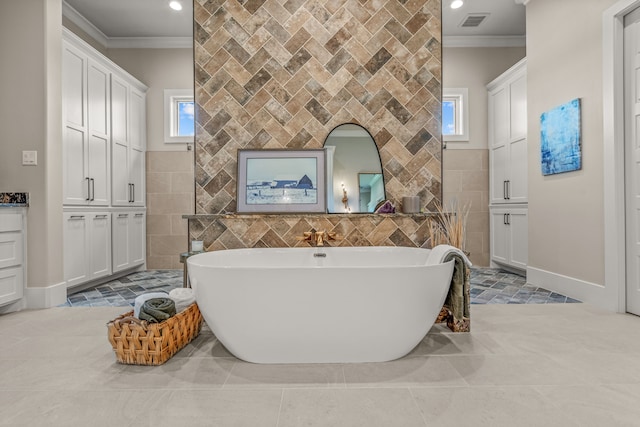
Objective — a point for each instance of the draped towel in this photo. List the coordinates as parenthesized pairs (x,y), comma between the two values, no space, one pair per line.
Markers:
(457,305)
(157,310)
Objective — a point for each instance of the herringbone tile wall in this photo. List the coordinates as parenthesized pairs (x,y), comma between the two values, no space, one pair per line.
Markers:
(284,73)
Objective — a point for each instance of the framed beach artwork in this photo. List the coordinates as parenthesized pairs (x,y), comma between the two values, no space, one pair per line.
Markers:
(560,139)
(281,181)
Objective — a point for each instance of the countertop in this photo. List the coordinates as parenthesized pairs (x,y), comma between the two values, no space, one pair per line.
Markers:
(12,200)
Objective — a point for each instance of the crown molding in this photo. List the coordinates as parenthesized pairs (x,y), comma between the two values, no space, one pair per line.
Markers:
(82,22)
(484,41)
(123,42)
(149,42)
(522,2)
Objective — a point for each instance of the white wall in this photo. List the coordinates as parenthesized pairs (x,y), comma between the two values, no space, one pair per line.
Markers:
(30,119)
(473,68)
(566,225)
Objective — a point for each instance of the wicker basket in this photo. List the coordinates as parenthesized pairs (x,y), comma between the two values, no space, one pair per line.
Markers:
(137,342)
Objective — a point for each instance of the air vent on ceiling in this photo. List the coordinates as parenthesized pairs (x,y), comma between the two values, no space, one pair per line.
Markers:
(473,20)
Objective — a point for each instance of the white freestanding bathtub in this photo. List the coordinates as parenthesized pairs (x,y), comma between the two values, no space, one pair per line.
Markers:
(319,305)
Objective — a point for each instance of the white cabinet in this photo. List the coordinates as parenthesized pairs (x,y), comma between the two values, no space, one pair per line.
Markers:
(508,167)
(508,136)
(129,239)
(509,236)
(128,126)
(86,127)
(104,143)
(12,257)
(87,246)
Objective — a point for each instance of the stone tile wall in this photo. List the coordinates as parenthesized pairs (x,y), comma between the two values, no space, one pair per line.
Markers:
(284,73)
(169,196)
(466,173)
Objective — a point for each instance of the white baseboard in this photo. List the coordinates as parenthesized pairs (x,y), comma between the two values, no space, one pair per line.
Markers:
(581,290)
(45,297)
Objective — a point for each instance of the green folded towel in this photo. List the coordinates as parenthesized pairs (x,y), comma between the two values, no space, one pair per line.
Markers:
(157,310)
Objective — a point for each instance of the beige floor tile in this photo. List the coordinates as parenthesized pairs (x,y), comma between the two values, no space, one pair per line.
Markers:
(455,344)
(80,408)
(219,408)
(175,374)
(352,407)
(498,369)
(432,371)
(488,406)
(251,375)
(608,405)
(602,368)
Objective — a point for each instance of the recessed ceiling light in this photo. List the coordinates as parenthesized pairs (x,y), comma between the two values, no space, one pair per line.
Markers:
(175,5)
(455,4)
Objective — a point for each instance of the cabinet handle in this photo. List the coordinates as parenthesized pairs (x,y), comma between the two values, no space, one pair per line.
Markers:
(133,193)
(508,190)
(88,189)
(508,219)
(101,216)
(139,214)
(504,219)
(76,217)
(123,215)
(93,189)
(504,190)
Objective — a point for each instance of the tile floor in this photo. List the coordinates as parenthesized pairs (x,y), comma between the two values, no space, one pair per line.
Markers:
(522,365)
(488,286)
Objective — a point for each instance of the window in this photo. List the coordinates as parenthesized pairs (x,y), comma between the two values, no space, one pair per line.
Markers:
(455,114)
(179,117)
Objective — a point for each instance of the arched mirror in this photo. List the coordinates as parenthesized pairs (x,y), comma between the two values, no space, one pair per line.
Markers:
(355,183)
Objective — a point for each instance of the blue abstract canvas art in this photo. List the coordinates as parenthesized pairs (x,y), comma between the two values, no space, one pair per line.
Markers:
(560,139)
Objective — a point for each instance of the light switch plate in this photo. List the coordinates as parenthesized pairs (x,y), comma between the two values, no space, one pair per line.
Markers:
(29,158)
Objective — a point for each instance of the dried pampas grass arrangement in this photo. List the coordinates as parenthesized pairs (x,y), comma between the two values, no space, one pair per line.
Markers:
(449,227)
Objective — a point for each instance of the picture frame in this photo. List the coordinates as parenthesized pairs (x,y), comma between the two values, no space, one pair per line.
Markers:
(281,181)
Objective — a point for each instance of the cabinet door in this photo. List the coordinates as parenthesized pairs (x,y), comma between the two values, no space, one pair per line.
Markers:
(499,117)
(120,239)
(100,243)
(137,177)
(98,108)
(137,147)
(517,161)
(75,175)
(121,188)
(76,250)
(518,107)
(137,238)
(499,238)
(498,171)
(137,120)
(517,165)
(498,144)
(11,284)
(518,238)
(11,237)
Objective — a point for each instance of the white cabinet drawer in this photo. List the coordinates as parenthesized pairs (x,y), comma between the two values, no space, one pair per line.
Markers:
(10,249)
(11,285)
(10,222)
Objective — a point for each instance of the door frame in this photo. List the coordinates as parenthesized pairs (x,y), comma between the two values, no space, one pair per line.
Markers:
(614,171)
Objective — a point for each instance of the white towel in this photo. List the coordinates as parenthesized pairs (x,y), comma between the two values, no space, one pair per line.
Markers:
(141,299)
(440,252)
(183,297)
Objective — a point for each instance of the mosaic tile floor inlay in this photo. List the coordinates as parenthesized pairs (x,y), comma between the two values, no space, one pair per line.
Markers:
(488,286)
